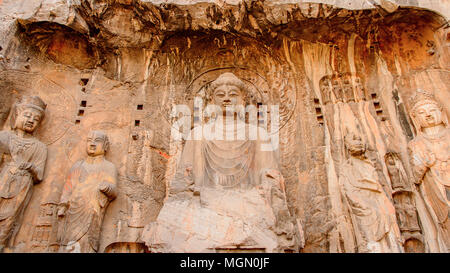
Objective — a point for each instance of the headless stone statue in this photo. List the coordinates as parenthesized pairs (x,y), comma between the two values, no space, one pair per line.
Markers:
(372,213)
(89,188)
(23,163)
(430,157)
(228,193)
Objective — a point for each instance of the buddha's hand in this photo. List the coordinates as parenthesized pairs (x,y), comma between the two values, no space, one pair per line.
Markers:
(105,188)
(62,211)
(275,175)
(429,159)
(26,166)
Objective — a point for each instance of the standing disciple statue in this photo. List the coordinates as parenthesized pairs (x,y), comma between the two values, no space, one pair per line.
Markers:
(430,159)
(372,213)
(23,163)
(89,188)
(228,193)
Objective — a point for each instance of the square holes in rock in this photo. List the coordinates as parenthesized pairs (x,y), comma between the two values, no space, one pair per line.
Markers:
(137,123)
(80,112)
(83,103)
(140,107)
(320,119)
(83,81)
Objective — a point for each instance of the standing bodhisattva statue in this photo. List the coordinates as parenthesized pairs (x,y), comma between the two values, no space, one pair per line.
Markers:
(23,164)
(89,188)
(430,159)
(372,213)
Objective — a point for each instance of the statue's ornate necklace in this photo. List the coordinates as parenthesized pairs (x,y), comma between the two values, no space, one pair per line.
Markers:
(435,137)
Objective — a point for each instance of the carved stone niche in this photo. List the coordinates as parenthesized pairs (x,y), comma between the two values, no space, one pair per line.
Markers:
(342,87)
(409,225)
(46,228)
(403,196)
(126,247)
(406,212)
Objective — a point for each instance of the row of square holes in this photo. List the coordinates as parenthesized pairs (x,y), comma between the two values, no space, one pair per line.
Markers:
(83,82)
(84,104)
(81,111)
(319,114)
(138,122)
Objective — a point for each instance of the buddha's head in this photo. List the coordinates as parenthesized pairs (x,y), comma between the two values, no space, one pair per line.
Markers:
(228,91)
(28,114)
(97,143)
(354,144)
(426,111)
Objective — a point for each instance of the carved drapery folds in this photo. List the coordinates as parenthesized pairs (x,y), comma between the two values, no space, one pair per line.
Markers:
(228,194)
(90,187)
(430,155)
(330,69)
(372,213)
(23,163)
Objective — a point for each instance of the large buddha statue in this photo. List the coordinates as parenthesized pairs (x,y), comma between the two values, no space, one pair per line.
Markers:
(23,164)
(228,193)
(430,158)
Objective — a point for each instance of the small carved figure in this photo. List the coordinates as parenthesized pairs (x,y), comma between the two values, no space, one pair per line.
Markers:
(397,173)
(337,88)
(373,214)
(347,88)
(430,158)
(89,188)
(326,89)
(406,213)
(360,90)
(24,159)
(402,195)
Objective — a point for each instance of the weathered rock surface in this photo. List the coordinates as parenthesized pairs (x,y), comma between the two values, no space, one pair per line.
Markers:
(332,66)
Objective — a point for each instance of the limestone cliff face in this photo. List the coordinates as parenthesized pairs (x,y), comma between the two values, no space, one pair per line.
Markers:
(120,66)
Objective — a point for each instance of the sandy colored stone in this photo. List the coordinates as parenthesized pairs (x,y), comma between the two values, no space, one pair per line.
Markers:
(121,66)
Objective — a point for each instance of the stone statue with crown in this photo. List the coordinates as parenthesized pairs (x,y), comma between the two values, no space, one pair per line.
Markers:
(430,157)
(23,163)
(228,193)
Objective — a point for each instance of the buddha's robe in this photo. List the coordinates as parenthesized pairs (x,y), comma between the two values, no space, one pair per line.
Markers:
(373,214)
(86,205)
(15,184)
(225,194)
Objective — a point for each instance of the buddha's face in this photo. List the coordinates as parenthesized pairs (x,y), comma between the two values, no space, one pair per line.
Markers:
(228,96)
(428,115)
(28,119)
(95,144)
(354,144)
